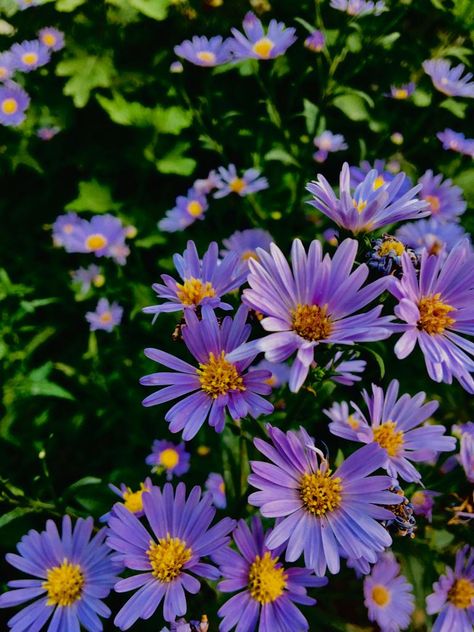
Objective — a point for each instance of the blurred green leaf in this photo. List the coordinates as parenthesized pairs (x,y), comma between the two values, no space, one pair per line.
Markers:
(353,106)
(281,155)
(93,197)
(455,107)
(421,98)
(67,6)
(176,162)
(85,73)
(155,9)
(18,512)
(310,113)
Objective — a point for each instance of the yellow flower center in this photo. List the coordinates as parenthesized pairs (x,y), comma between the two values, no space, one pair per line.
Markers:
(193,291)
(433,201)
(400,93)
(311,322)
(434,314)
(389,438)
(98,280)
(353,422)
(462,593)
(360,205)
(9,106)
(49,39)
(378,182)
(206,56)
(267,581)
(96,242)
(249,254)
(418,498)
(64,584)
(237,185)
(381,595)
(271,381)
(219,376)
(263,47)
(194,208)
(133,501)
(3,72)
(106,317)
(168,557)
(222,487)
(169,458)
(29,59)
(320,492)
(389,246)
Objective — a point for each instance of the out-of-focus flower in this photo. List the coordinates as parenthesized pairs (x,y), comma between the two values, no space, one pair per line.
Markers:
(65,227)
(30,55)
(7,65)
(187,210)
(258,43)
(245,243)
(321,514)
(327,142)
(215,485)
(344,423)
(26,4)
(14,101)
(437,305)
(388,595)
(397,138)
(168,553)
(456,141)
(439,238)
(345,368)
(176,67)
(87,277)
(47,133)
(204,281)
(386,254)
(106,316)
(280,372)
(358,7)
(204,186)
(217,384)
(369,206)
(423,503)
(449,80)
(73,574)
(103,235)
(386,172)
(132,500)
(230,182)
(168,457)
(315,41)
(267,591)
(402,92)
(331,235)
(445,199)
(52,38)
(202,51)
(453,595)
(466,453)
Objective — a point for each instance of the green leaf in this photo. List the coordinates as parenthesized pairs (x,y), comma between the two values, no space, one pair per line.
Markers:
(175,162)
(156,239)
(171,120)
(67,6)
(83,482)
(455,107)
(439,539)
(280,155)
(465,180)
(49,389)
(310,113)
(155,9)
(309,27)
(354,42)
(353,106)
(421,98)
(18,512)
(93,197)
(85,73)
(388,40)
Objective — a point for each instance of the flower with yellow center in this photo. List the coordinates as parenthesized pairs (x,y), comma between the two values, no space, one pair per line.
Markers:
(29,59)
(434,318)
(359,205)
(267,580)
(389,246)
(96,242)
(167,558)
(64,584)
(389,438)
(169,458)
(320,492)
(381,595)
(193,291)
(434,202)
(219,376)
(133,501)
(311,322)
(249,254)
(106,317)
(3,72)
(400,93)
(9,106)
(206,56)
(353,422)
(237,185)
(49,39)
(461,595)
(263,47)
(194,208)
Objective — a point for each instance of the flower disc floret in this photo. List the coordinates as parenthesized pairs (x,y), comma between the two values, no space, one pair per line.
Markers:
(267,580)
(64,584)
(167,558)
(219,377)
(434,318)
(320,492)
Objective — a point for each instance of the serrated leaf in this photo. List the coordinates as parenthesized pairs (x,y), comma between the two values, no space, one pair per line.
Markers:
(85,73)
(353,106)
(175,162)
(455,107)
(94,197)
(155,9)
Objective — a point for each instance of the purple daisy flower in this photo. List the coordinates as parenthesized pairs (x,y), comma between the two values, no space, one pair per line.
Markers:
(388,595)
(280,372)
(132,500)
(466,453)
(393,423)
(48,133)
(104,235)
(202,51)
(106,316)
(51,38)
(14,101)
(215,485)
(187,210)
(176,67)
(369,206)
(385,174)
(26,4)
(245,243)
(321,514)
(423,503)
(449,80)
(228,181)
(328,142)
(168,553)
(315,41)
(258,43)
(74,574)
(402,92)
(345,423)
(65,229)
(204,186)
(87,277)
(445,199)
(453,596)
(345,368)
(455,141)
(30,55)
(217,384)
(313,303)
(7,65)
(439,238)
(266,590)
(168,457)
(437,305)
(204,281)
(358,7)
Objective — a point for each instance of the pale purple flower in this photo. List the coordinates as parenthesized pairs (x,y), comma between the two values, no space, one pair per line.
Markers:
(423,502)
(188,208)
(327,142)
(445,199)
(358,7)
(280,372)
(202,51)
(87,277)
(215,485)
(168,457)
(204,186)
(402,92)
(386,172)
(345,367)
(345,422)
(466,453)
(14,101)
(65,229)
(7,66)
(245,243)
(47,133)
(51,38)
(449,80)
(439,238)
(260,43)
(30,55)
(104,235)
(228,181)
(176,67)
(315,41)
(106,316)
(456,141)
(26,4)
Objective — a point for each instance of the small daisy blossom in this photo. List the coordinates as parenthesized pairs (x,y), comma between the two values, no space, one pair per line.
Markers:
(438,238)
(260,43)
(204,281)
(344,422)
(228,181)
(388,595)
(26,4)
(423,503)
(52,38)
(315,41)
(168,457)
(437,306)
(7,65)
(73,574)
(14,102)
(217,384)
(445,199)
(453,595)
(402,92)
(30,55)
(245,244)
(321,514)
(314,302)
(344,369)
(449,80)
(168,553)
(358,7)
(327,142)
(393,422)
(368,207)
(131,500)
(65,228)
(202,51)
(280,372)
(266,590)
(106,316)
(187,210)
(87,277)
(215,485)
(456,141)
(386,172)
(104,235)
(204,186)
(48,133)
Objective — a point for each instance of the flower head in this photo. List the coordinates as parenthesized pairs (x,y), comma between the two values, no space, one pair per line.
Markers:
(168,457)
(466,453)
(317,301)
(26,4)
(14,101)
(321,514)
(47,133)
(73,574)
(266,590)
(228,181)
(388,595)
(7,65)
(423,502)
(245,243)
(369,206)
(344,422)
(106,316)
(400,93)
(202,51)
(315,41)
(51,38)
(131,500)
(358,7)
(30,55)
(187,210)
(453,595)
(215,485)
(104,236)
(386,172)
(87,277)
(455,141)
(204,186)
(280,372)
(445,199)
(217,384)
(449,80)
(437,307)
(438,238)
(386,254)
(167,553)
(260,43)
(65,228)
(327,142)
(345,368)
